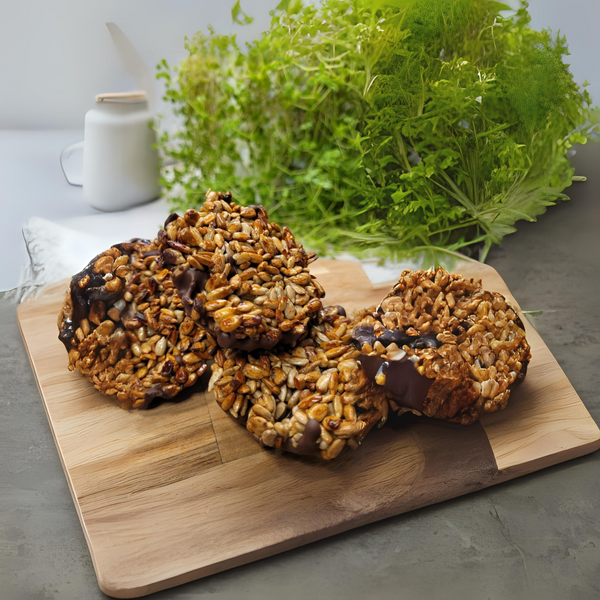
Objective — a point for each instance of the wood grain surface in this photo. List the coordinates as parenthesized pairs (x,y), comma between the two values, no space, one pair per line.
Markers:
(181,491)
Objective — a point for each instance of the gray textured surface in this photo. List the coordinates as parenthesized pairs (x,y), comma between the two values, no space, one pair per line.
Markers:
(535,537)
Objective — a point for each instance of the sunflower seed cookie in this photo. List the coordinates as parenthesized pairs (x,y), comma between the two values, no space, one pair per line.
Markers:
(441,345)
(240,276)
(313,399)
(125,329)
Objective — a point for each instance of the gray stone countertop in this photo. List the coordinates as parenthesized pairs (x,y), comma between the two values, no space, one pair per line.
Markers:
(534,537)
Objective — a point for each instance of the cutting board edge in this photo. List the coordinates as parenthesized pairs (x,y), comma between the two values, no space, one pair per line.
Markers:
(588,430)
(550,460)
(58,448)
(115,590)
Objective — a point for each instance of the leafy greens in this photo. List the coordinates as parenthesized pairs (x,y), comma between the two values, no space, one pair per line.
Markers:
(381,128)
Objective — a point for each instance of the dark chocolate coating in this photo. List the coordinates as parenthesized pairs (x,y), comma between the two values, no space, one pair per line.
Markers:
(188,284)
(365,334)
(402,380)
(228,340)
(521,374)
(307,446)
(168,257)
(172,217)
(66,334)
(405,384)
(155,391)
(154,395)
(341,310)
(262,342)
(83,298)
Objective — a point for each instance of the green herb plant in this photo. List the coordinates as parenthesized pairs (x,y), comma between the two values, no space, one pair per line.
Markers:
(380,128)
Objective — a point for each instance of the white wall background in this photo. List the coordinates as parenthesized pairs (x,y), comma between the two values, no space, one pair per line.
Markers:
(56,55)
(579,20)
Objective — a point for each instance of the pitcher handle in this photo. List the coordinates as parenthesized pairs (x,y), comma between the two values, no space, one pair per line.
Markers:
(73,154)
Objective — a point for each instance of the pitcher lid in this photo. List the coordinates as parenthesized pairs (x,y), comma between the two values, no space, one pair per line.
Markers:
(129,97)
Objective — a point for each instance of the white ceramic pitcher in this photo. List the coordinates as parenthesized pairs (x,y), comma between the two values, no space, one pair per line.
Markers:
(120,163)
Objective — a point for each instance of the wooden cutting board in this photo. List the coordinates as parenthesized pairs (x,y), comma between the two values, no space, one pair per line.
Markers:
(181,491)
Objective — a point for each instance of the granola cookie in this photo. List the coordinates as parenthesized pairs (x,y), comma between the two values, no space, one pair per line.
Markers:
(313,399)
(242,277)
(125,329)
(441,345)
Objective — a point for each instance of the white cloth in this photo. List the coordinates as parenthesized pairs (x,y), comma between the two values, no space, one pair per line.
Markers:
(58,250)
